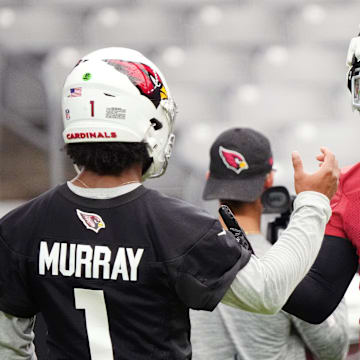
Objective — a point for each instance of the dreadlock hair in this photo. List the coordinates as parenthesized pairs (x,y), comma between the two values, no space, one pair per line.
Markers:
(109,158)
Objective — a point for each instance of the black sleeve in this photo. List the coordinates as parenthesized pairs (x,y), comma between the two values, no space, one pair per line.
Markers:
(203,275)
(15,298)
(319,293)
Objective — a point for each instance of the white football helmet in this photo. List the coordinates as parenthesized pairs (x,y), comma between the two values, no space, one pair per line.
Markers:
(118,95)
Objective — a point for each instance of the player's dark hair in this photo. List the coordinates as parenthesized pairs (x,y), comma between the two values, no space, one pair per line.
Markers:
(108,158)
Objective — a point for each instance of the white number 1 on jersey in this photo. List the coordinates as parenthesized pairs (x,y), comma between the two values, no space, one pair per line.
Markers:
(97,323)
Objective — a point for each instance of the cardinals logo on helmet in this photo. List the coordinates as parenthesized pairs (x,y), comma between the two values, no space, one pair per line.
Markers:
(233,160)
(91,221)
(146,79)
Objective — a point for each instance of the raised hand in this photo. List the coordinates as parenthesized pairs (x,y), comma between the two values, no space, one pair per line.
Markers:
(325,180)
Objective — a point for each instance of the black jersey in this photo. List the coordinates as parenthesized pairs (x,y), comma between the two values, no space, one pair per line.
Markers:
(115,278)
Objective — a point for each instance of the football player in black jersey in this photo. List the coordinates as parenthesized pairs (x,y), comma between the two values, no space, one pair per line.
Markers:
(113,266)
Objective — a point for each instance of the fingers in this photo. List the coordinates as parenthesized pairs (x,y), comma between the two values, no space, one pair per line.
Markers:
(324,149)
(337,169)
(297,163)
(324,180)
(331,162)
(321,157)
(329,157)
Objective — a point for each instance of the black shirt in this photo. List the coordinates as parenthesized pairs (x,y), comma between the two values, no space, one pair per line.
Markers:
(114,279)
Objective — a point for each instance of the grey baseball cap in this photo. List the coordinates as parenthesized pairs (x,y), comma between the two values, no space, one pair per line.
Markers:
(240,159)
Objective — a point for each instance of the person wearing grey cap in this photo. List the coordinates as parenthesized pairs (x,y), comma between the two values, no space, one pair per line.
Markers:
(241,159)
(241,163)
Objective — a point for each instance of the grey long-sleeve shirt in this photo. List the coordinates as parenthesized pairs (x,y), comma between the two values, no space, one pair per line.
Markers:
(16,338)
(228,331)
(265,283)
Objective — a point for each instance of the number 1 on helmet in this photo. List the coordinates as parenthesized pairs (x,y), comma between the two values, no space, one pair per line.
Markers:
(92,107)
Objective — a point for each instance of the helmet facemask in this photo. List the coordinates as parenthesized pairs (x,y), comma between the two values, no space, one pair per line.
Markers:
(353,78)
(160,139)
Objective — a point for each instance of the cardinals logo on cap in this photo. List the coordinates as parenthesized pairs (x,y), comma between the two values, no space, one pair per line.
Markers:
(91,221)
(233,160)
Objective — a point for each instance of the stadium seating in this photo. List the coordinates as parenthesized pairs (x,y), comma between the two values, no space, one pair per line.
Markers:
(341,108)
(191,3)
(203,66)
(174,181)
(188,6)
(294,4)
(237,26)
(340,137)
(79,5)
(197,104)
(24,94)
(270,106)
(142,28)
(37,29)
(193,146)
(2,69)
(311,66)
(12,3)
(325,24)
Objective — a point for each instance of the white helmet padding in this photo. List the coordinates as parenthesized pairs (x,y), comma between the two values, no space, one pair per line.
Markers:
(118,95)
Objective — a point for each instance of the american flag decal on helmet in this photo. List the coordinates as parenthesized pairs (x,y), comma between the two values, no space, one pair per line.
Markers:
(233,160)
(91,221)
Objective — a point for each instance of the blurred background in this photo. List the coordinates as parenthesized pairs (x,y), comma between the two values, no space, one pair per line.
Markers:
(277,66)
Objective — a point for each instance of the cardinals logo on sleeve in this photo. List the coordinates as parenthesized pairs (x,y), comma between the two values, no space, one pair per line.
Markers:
(233,160)
(91,221)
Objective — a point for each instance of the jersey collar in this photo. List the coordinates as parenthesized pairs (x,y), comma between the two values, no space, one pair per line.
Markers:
(102,193)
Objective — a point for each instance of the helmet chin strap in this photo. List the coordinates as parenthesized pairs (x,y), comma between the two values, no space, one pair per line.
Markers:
(77,169)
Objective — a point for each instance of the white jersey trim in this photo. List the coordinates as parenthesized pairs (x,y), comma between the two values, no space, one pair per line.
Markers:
(102,193)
